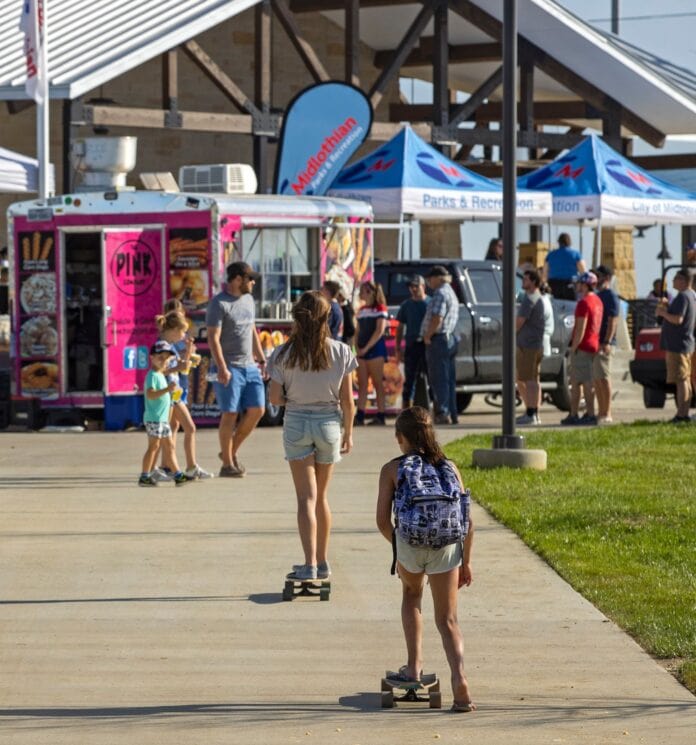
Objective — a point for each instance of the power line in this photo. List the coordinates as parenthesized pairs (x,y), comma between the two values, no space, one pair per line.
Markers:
(644,18)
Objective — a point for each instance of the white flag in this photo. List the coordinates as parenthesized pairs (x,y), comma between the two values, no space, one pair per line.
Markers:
(32,24)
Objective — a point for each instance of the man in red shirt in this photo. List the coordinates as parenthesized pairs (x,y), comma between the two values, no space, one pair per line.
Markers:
(583,348)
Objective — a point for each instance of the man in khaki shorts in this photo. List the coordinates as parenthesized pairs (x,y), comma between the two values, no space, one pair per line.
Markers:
(677,339)
(601,367)
(530,347)
(583,348)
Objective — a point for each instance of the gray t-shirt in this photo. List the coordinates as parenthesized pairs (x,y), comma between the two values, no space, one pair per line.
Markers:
(314,390)
(680,338)
(235,316)
(531,335)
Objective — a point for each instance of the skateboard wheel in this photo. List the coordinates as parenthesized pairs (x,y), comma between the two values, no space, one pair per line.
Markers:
(287,593)
(324,593)
(387,700)
(435,700)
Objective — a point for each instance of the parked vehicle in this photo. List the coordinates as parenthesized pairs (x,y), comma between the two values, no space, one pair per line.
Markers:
(648,365)
(478,285)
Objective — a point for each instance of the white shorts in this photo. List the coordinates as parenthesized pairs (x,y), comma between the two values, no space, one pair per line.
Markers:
(160,430)
(417,559)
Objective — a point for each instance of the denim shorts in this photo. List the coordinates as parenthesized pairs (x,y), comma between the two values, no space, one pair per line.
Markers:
(308,432)
(418,559)
(378,350)
(245,390)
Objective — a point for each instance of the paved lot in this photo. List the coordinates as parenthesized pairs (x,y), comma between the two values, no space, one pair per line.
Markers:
(154,616)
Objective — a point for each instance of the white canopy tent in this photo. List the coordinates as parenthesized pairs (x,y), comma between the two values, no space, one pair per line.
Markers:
(19,174)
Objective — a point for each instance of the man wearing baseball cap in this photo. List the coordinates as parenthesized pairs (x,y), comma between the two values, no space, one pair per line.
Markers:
(441,342)
(583,348)
(236,349)
(677,339)
(410,317)
(607,342)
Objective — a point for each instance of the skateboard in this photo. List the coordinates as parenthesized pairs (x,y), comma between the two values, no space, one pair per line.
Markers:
(430,684)
(296,588)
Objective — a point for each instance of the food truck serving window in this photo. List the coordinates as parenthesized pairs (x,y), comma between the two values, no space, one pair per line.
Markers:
(287,260)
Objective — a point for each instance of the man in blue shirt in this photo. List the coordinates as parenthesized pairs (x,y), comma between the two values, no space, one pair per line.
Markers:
(561,267)
(410,317)
(441,342)
(601,364)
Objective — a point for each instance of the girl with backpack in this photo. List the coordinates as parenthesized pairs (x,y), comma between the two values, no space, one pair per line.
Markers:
(431,535)
(311,376)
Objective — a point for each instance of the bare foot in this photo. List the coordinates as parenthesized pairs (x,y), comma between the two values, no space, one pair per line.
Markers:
(462,697)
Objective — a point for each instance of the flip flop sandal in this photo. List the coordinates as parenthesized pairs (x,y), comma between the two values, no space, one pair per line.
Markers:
(463,708)
(403,677)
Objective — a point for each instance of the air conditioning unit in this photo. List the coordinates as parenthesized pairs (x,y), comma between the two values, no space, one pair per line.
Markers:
(221,178)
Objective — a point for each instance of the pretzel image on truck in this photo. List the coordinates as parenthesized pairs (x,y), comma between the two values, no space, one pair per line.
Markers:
(89,272)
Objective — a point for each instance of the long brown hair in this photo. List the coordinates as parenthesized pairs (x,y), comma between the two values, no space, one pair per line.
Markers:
(378,292)
(415,425)
(307,346)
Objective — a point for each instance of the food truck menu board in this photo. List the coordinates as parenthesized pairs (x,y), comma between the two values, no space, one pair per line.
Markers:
(188,266)
(37,324)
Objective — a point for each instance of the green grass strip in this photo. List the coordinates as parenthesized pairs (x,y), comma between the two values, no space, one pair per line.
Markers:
(615,515)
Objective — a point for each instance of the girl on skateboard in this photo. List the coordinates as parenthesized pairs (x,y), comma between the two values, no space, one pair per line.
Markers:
(311,376)
(448,568)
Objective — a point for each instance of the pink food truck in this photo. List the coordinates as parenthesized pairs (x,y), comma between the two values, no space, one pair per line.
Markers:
(89,272)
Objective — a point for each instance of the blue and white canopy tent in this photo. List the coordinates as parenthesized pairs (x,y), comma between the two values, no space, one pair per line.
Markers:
(593,183)
(406,176)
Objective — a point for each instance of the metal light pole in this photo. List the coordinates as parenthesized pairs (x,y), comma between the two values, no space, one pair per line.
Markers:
(509,440)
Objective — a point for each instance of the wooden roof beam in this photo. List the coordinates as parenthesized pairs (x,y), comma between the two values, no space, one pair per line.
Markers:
(545,112)
(302,46)
(458,53)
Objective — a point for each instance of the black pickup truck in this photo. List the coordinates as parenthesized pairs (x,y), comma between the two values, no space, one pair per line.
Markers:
(478,285)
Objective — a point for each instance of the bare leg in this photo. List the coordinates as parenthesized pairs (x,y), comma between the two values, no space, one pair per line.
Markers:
(150,457)
(588,389)
(246,425)
(228,421)
(375,370)
(522,391)
(181,418)
(362,384)
(444,590)
(603,392)
(170,454)
(683,397)
(533,400)
(412,619)
(305,479)
(575,399)
(323,511)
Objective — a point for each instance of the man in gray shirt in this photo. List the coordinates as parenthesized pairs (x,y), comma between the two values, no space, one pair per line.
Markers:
(530,347)
(236,349)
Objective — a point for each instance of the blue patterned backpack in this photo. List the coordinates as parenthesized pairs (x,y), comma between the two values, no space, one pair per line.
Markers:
(430,508)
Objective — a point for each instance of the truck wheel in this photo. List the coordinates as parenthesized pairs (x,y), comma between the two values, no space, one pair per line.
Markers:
(463,401)
(654,398)
(273,416)
(560,396)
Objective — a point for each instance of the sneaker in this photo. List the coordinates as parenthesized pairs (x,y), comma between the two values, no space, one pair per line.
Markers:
(239,466)
(181,479)
(323,569)
(229,472)
(159,474)
(377,423)
(197,473)
(528,420)
(588,420)
(442,419)
(147,481)
(604,420)
(679,419)
(571,419)
(303,573)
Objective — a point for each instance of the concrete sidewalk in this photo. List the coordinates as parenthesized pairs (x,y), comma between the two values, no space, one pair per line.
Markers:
(154,616)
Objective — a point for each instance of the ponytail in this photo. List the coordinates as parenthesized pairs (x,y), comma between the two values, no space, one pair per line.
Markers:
(171,321)
(415,426)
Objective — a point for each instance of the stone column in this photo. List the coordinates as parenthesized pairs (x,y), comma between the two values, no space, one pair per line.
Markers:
(442,239)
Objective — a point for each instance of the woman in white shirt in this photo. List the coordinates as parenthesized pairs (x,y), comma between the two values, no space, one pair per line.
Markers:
(311,376)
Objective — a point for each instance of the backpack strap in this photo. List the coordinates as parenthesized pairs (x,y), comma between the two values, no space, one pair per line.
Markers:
(392,571)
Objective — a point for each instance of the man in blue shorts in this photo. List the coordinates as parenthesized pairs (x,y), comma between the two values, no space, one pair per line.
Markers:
(236,349)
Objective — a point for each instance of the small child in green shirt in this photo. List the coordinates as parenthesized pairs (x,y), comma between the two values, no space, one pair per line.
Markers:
(156,418)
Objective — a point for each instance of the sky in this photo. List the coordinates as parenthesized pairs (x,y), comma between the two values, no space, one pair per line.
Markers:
(668,30)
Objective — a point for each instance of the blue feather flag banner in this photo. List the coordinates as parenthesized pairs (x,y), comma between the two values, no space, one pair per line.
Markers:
(323,127)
